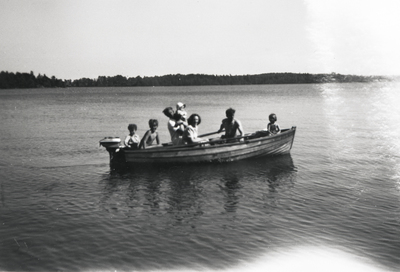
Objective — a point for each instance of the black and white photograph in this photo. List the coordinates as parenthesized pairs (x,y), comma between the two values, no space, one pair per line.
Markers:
(199,135)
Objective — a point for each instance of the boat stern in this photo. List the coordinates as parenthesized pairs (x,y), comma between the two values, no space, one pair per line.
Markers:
(112,145)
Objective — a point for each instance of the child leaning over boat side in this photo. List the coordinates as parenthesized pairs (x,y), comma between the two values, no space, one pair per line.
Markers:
(132,140)
(273,127)
(150,135)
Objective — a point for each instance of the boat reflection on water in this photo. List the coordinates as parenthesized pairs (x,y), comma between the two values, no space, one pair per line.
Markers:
(194,187)
(243,178)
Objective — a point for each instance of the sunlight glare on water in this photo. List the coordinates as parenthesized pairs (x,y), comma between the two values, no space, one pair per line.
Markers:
(309,258)
(301,259)
(373,110)
(383,116)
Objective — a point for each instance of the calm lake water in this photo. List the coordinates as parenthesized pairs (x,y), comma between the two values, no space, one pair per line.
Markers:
(333,204)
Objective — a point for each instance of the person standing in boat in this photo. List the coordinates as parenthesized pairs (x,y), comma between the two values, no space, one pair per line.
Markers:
(231,125)
(273,127)
(151,135)
(190,135)
(175,125)
(132,140)
(169,112)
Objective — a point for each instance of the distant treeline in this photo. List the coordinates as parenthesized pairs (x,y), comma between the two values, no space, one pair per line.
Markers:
(29,80)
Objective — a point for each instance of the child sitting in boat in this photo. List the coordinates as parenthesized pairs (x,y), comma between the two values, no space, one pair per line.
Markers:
(273,127)
(150,135)
(132,140)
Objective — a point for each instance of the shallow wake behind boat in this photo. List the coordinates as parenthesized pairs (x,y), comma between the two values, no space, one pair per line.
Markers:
(216,150)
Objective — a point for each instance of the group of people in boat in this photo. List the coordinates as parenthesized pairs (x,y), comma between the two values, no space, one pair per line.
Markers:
(184,130)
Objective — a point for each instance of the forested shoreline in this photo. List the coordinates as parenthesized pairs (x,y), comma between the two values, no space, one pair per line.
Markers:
(9,80)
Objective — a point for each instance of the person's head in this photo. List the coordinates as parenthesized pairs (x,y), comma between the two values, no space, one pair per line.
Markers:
(272,118)
(132,128)
(169,112)
(230,113)
(153,124)
(194,119)
(180,106)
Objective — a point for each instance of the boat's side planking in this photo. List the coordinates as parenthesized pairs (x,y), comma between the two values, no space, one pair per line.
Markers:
(206,152)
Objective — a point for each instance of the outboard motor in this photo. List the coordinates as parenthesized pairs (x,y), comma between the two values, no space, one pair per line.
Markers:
(112,145)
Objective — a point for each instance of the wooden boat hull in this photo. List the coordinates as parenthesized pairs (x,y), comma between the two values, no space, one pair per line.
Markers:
(214,152)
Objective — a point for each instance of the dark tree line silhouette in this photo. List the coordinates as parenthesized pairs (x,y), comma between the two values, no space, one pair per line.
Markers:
(29,80)
(25,80)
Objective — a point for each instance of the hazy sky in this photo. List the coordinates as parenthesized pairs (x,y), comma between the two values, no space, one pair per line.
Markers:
(77,38)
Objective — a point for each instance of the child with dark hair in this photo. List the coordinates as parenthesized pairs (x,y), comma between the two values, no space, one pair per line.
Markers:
(273,127)
(132,140)
(150,135)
